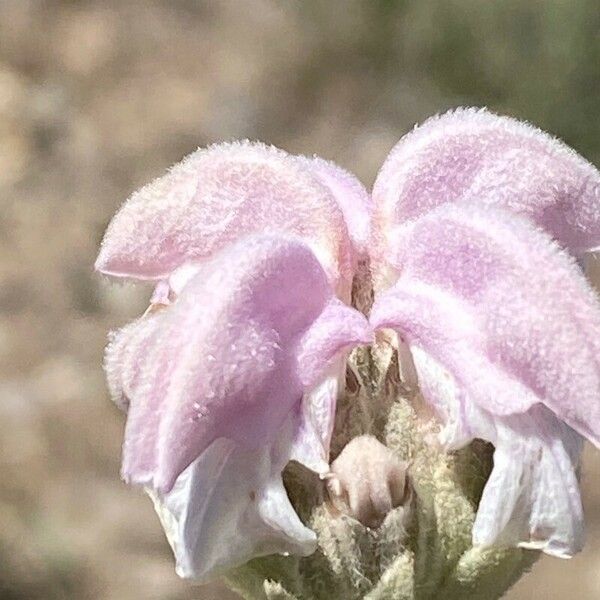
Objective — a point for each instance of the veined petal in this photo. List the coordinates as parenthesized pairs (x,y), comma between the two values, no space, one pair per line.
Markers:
(498,161)
(227,358)
(503,309)
(216,196)
(317,416)
(532,496)
(230,506)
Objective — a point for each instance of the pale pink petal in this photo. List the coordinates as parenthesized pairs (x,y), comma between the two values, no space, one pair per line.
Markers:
(352,198)
(230,506)
(121,363)
(503,309)
(531,498)
(497,161)
(237,376)
(338,327)
(216,196)
(232,356)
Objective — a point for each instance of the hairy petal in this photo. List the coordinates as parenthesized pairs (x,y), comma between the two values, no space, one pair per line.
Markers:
(351,196)
(214,197)
(503,309)
(235,377)
(324,345)
(230,506)
(532,497)
(247,338)
(498,161)
(337,327)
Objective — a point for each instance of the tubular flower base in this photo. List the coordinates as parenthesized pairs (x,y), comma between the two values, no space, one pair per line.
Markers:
(339,396)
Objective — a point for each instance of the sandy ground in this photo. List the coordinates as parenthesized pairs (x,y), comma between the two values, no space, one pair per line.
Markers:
(97,98)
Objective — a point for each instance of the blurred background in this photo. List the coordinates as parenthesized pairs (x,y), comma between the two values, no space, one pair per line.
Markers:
(99,97)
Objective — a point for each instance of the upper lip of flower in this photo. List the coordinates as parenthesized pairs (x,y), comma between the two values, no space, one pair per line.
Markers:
(255,236)
(245,188)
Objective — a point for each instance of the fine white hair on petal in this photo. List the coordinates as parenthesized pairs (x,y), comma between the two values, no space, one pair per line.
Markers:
(504,309)
(214,197)
(250,333)
(472,154)
(223,386)
(338,327)
(352,197)
(505,335)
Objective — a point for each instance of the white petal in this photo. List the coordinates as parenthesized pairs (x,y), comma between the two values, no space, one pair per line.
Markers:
(532,497)
(230,506)
(317,415)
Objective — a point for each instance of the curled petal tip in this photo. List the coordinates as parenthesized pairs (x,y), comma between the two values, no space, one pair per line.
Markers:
(338,327)
(493,160)
(216,196)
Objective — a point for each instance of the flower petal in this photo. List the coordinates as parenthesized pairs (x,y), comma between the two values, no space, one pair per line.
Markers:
(230,506)
(351,196)
(499,161)
(232,356)
(337,327)
(121,364)
(216,196)
(311,443)
(507,313)
(531,498)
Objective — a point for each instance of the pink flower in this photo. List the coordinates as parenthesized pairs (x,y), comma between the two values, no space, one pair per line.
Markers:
(505,335)
(218,195)
(471,237)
